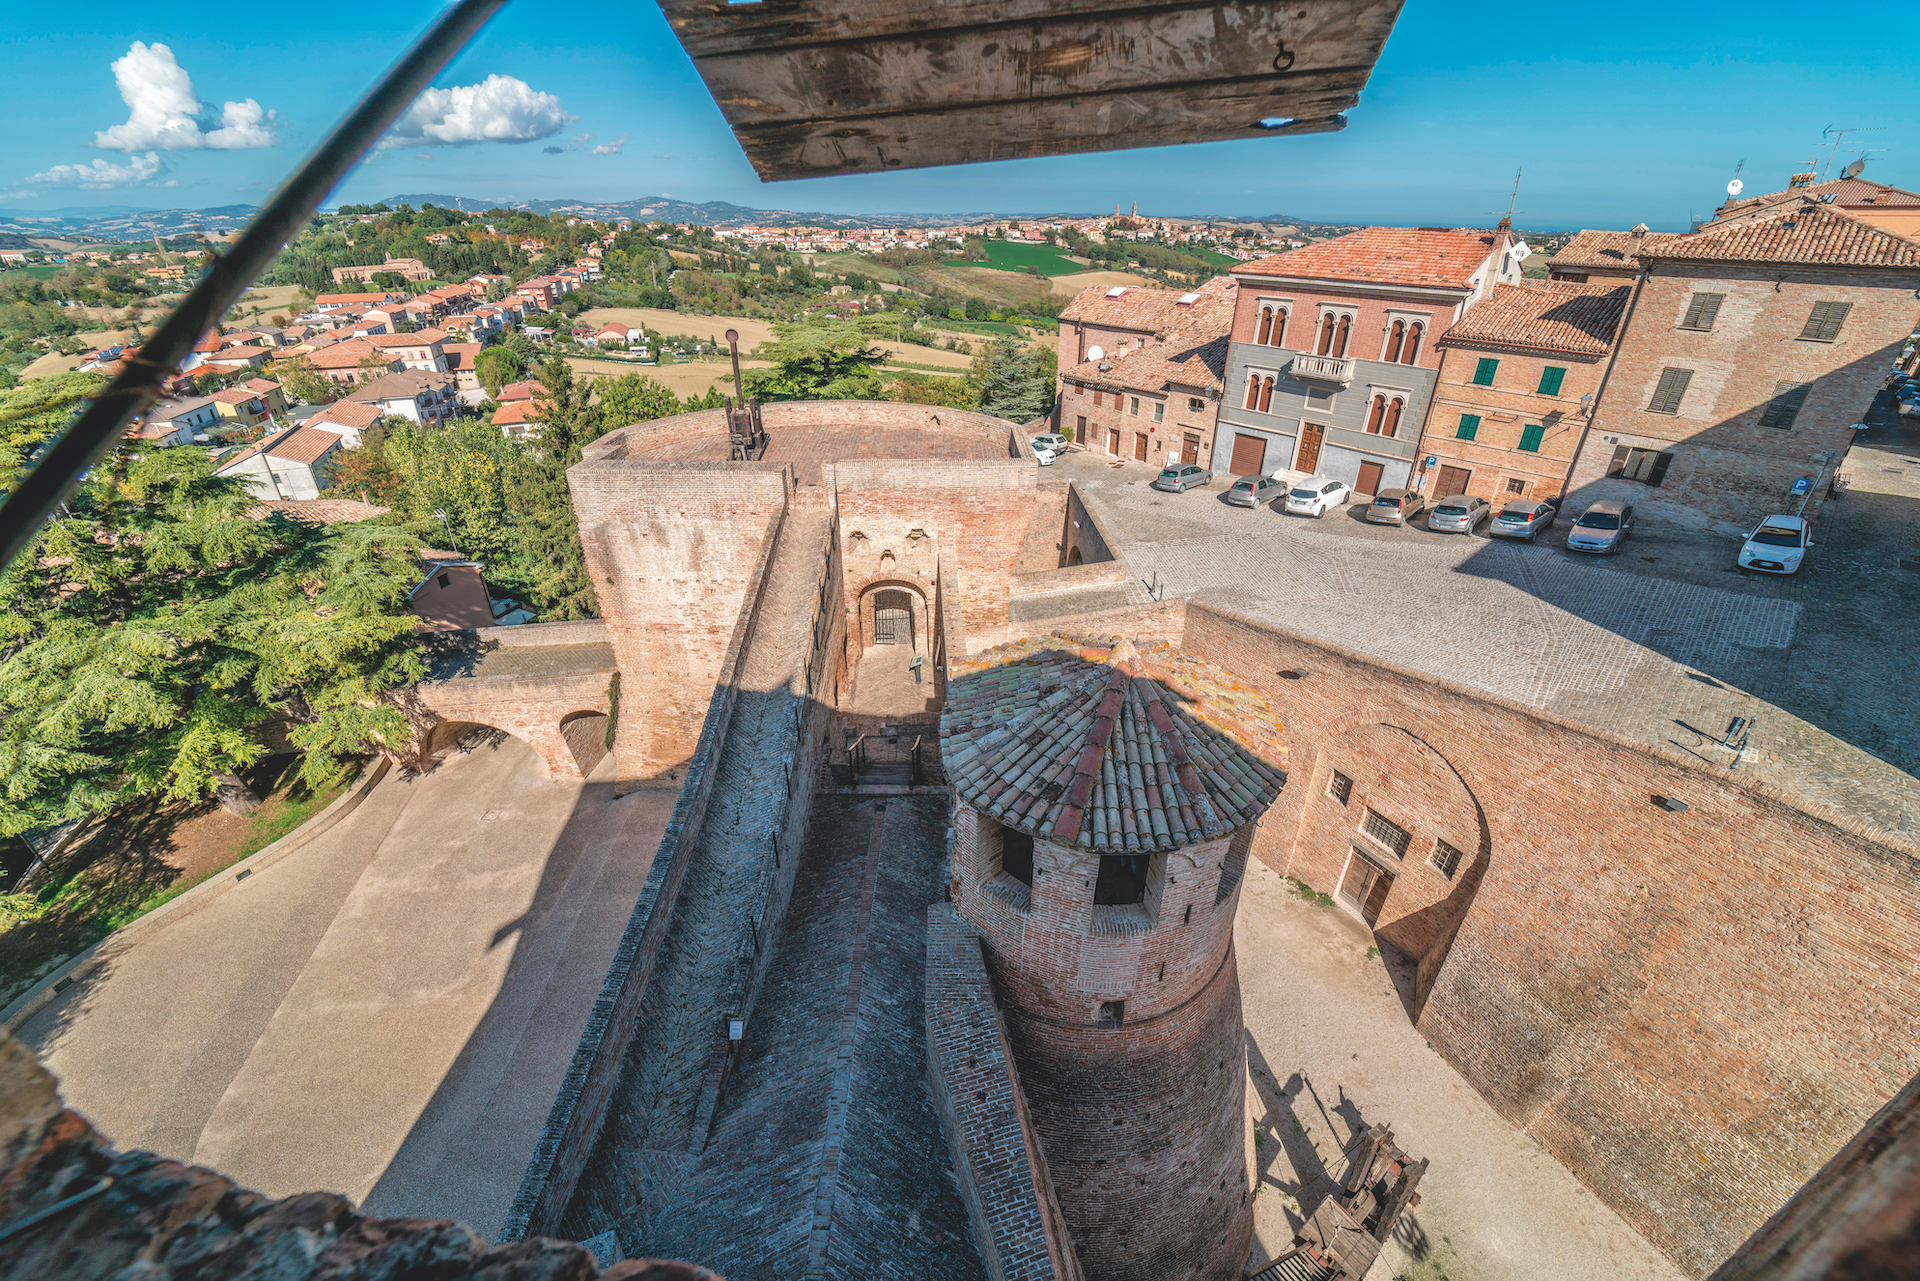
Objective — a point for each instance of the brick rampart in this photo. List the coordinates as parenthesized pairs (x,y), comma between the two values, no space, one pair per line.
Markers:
(997,1154)
(534,708)
(1692,1010)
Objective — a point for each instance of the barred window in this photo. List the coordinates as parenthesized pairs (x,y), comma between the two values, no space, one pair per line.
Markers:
(1340,788)
(1388,833)
(1446,859)
(1785,405)
(1671,391)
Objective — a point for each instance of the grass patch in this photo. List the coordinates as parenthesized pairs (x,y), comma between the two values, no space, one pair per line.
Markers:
(39,271)
(1008,255)
(1310,894)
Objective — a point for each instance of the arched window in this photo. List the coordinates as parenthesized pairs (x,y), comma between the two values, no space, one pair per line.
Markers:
(1266,395)
(1326,335)
(1266,326)
(1280,327)
(1413,342)
(1393,417)
(1394,339)
(1376,413)
(1253,392)
(1340,339)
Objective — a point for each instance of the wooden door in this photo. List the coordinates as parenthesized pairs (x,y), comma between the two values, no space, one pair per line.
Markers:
(1311,434)
(1453,480)
(1139,448)
(1249,452)
(1113,441)
(1369,479)
(1364,887)
(1190,451)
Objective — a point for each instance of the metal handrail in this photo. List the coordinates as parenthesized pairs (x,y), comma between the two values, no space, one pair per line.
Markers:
(137,386)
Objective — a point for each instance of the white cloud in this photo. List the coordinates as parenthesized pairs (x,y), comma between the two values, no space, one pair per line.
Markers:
(611,148)
(579,138)
(101,174)
(163,110)
(498,109)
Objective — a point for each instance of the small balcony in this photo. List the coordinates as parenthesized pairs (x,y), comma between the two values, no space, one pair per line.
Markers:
(1323,369)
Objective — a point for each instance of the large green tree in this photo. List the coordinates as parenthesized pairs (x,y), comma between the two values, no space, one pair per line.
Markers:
(497,366)
(148,634)
(1012,380)
(818,362)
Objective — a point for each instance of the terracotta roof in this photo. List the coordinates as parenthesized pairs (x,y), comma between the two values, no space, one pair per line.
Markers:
(299,445)
(346,354)
(346,413)
(518,411)
(1544,316)
(1804,232)
(384,341)
(1155,311)
(1153,368)
(1597,249)
(320,511)
(235,395)
(460,355)
(1103,749)
(402,385)
(1857,192)
(529,389)
(262,386)
(1426,256)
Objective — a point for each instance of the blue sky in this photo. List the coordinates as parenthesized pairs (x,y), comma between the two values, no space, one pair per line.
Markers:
(1618,116)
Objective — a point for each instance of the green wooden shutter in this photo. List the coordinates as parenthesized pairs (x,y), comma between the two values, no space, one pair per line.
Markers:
(1531,436)
(1483,372)
(1671,391)
(1702,310)
(1469,427)
(1550,379)
(1823,323)
(1785,405)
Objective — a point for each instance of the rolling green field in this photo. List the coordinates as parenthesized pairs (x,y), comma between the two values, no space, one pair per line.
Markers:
(1213,256)
(1018,257)
(40,271)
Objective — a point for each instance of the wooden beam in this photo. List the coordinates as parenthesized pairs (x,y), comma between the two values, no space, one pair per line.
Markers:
(814,89)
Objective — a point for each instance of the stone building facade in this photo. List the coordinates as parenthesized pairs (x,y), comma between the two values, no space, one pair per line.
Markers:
(1748,353)
(1334,353)
(1517,382)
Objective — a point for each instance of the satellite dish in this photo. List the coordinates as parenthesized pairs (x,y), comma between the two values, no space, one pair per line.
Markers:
(1520,251)
(1095,352)
(1735,187)
(1854,170)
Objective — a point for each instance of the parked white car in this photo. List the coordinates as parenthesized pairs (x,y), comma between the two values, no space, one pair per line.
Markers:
(1317,495)
(1776,545)
(1043,455)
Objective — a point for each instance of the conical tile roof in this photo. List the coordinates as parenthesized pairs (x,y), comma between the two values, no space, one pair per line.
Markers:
(1096,747)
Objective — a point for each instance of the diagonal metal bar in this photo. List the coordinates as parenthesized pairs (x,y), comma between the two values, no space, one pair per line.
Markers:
(136,387)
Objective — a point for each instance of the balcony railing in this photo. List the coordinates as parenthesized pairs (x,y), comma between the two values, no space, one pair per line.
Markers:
(1323,369)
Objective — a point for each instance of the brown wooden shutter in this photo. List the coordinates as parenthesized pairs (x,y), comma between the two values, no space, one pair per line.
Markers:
(1823,323)
(1618,465)
(1785,405)
(1658,472)
(1671,391)
(1702,311)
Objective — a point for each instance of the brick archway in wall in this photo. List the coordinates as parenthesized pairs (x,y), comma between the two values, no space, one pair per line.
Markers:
(919,599)
(1406,849)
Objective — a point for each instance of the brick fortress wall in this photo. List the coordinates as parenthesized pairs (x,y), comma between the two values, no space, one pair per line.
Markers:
(1692,1011)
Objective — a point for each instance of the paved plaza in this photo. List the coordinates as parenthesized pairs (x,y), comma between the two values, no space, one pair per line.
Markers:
(1665,642)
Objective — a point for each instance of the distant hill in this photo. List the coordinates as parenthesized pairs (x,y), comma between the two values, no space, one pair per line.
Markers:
(118,223)
(712,213)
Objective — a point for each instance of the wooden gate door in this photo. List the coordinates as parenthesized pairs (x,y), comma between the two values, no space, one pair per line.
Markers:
(1249,452)
(1453,480)
(1191,453)
(1365,887)
(1139,448)
(1311,434)
(1113,441)
(892,618)
(1369,478)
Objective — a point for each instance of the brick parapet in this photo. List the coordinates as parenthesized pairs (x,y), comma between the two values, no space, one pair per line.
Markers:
(997,1154)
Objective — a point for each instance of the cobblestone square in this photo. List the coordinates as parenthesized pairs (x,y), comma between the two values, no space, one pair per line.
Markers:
(1665,641)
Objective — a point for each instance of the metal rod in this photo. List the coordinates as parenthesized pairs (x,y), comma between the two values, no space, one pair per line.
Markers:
(137,385)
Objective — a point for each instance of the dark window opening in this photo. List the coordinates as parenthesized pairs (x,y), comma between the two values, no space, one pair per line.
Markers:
(1446,859)
(1340,788)
(1387,832)
(446,580)
(1123,879)
(1112,1014)
(1016,855)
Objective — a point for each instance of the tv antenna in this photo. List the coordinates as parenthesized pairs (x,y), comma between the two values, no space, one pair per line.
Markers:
(1838,136)
(1513,199)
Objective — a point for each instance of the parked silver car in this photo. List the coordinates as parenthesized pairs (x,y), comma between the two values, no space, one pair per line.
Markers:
(1523,520)
(1254,491)
(1601,528)
(1458,514)
(1395,507)
(1181,477)
(1052,440)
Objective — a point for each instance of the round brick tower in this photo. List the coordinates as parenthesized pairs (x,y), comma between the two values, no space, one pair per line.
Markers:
(1101,833)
